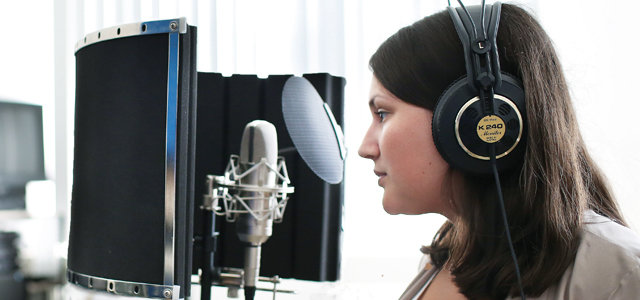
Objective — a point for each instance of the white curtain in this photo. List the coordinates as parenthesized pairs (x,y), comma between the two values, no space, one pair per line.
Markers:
(596,42)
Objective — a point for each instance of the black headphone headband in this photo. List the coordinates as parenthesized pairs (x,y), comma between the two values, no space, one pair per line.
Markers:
(477,41)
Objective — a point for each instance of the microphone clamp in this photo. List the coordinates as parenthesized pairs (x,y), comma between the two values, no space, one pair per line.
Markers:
(224,192)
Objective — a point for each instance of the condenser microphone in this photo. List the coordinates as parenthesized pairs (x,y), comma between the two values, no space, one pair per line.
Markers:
(259,144)
(253,193)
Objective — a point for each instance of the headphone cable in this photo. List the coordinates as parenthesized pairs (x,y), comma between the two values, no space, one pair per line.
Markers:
(492,150)
(484,30)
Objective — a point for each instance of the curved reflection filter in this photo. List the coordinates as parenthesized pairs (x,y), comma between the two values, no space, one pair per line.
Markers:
(313,129)
(134,148)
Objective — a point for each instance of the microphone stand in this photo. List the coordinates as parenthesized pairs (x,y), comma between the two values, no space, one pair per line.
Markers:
(207,264)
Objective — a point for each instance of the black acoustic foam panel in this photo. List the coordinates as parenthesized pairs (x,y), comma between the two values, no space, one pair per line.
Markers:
(118,195)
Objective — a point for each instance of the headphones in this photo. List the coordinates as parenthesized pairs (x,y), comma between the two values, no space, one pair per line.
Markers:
(484,111)
(479,121)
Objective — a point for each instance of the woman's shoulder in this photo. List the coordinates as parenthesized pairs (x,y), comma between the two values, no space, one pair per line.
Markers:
(609,251)
(604,238)
(607,264)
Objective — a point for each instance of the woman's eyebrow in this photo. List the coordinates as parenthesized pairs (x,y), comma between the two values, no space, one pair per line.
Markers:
(372,102)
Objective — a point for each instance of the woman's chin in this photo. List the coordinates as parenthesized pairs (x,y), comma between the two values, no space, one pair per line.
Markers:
(390,207)
(394,208)
(391,211)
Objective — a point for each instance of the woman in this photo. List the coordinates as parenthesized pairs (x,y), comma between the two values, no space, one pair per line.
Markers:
(568,234)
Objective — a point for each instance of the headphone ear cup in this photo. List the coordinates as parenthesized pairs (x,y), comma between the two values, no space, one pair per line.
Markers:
(458,130)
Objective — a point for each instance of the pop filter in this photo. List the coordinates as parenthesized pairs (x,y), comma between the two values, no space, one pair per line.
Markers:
(313,129)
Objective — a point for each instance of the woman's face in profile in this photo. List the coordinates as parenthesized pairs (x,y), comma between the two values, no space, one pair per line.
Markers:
(408,165)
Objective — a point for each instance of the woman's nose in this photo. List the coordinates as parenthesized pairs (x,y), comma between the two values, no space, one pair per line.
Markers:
(369,146)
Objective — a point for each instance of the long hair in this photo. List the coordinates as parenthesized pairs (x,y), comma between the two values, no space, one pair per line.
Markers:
(545,197)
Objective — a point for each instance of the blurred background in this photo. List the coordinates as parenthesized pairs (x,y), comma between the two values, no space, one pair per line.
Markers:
(380,252)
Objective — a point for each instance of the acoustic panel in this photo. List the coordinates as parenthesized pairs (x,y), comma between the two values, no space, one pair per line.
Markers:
(134,159)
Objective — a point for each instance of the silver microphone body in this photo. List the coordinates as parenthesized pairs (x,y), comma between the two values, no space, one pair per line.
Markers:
(259,142)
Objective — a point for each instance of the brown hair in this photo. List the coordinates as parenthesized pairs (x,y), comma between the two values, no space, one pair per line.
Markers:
(544,198)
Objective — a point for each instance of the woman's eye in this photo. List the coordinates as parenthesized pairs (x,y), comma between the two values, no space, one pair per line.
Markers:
(381,115)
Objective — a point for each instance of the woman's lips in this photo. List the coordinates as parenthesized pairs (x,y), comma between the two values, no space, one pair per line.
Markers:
(381,176)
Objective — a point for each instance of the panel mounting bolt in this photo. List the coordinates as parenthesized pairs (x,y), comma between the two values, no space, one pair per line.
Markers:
(167,294)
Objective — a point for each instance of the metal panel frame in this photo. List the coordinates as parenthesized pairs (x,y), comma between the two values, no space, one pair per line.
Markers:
(178,25)
(124,288)
(170,159)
